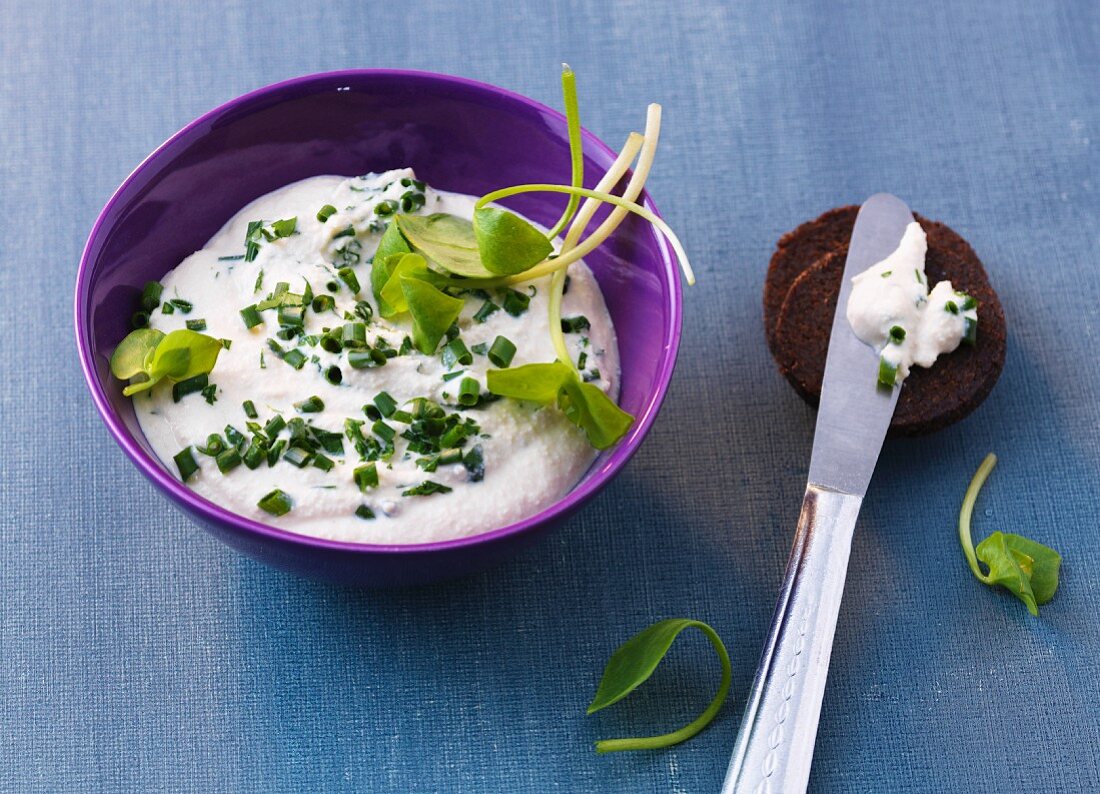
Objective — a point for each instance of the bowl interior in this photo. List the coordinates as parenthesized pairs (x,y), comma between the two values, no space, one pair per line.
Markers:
(457,135)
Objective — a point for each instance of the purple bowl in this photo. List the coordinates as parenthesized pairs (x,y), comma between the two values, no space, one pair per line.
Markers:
(459,135)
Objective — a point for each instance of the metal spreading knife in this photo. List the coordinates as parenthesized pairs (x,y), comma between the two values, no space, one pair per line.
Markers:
(776,742)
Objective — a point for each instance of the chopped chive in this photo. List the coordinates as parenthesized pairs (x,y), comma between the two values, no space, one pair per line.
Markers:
(591,375)
(469,391)
(293,316)
(296,456)
(185,462)
(456,352)
(347,275)
(385,403)
(347,231)
(887,372)
(404,417)
(196,325)
(139,319)
(366,476)
(475,464)
(515,303)
(182,305)
(189,386)
(363,310)
(251,316)
(214,445)
(323,462)
(573,325)
(919,275)
(406,346)
(887,273)
(275,451)
(231,258)
(426,488)
(485,311)
(897,334)
(234,436)
(481,348)
(274,425)
(385,208)
(968,302)
(285,228)
(312,405)
(295,358)
(582,360)
(334,375)
(449,457)
(951,307)
(970,331)
(354,335)
(150,295)
(383,431)
(167,308)
(502,352)
(449,376)
(228,460)
(255,453)
(209,393)
(326,212)
(250,409)
(323,303)
(364,512)
(277,503)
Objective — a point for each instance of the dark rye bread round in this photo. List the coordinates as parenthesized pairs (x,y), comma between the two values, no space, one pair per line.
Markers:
(930,399)
(798,249)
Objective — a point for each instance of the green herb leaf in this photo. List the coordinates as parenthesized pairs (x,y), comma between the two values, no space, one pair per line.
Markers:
(133,353)
(447,240)
(392,244)
(634,662)
(537,383)
(585,405)
(507,243)
(184,354)
(406,266)
(593,412)
(432,310)
(1027,569)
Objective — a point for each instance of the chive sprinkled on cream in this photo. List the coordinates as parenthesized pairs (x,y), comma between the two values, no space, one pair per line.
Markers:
(276,502)
(469,391)
(502,352)
(185,462)
(366,476)
(573,325)
(311,405)
(251,316)
(325,213)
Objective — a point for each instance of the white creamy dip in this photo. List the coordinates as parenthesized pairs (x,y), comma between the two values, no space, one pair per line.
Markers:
(532,456)
(891,309)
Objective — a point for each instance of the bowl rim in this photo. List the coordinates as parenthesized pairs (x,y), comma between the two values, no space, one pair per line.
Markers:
(157,472)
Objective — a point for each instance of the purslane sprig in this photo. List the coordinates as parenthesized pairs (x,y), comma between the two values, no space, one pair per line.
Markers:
(147,356)
(1027,569)
(634,662)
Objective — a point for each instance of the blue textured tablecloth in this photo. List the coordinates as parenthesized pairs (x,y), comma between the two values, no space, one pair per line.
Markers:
(138,654)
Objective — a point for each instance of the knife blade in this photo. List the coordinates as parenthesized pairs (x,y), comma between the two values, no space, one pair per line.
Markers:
(854,414)
(774,746)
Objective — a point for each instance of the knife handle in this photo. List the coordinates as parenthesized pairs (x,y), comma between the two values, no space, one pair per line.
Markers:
(776,742)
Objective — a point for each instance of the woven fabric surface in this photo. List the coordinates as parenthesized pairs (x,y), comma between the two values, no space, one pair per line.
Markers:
(138,654)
